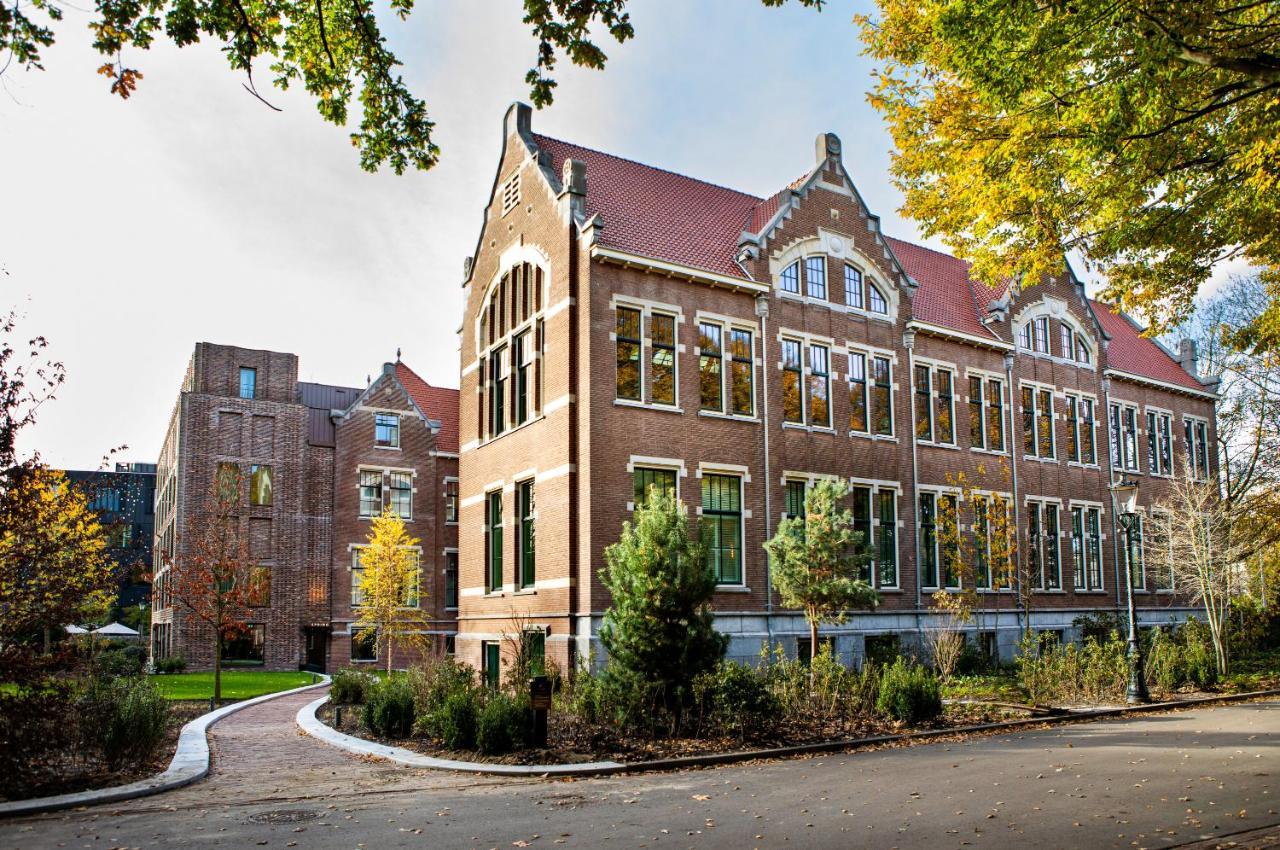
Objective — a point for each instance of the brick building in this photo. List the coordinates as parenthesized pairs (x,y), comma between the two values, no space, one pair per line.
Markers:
(313,464)
(628,327)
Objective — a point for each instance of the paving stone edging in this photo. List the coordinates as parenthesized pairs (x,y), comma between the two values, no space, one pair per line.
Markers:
(312,725)
(190,762)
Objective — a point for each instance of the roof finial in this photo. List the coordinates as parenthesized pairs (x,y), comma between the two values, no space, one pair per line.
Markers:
(368,379)
(397,354)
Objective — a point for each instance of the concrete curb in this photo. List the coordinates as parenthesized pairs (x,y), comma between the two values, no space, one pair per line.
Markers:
(311,725)
(190,762)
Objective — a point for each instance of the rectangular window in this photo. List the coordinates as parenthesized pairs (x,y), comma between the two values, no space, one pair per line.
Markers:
(386,430)
(1093,551)
(246,645)
(491,663)
(450,579)
(259,594)
(1029,421)
(945,431)
(977,433)
(413,592)
(995,415)
(643,479)
(1078,548)
(819,386)
(887,538)
(793,499)
(1131,547)
(1041,330)
(357,577)
(662,361)
(1129,437)
(1088,428)
(628,342)
(928,541)
(370,492)
(1066,340)
(228,482)
(534,642)
(525,511)
(522,363)
(1034,562)
(451,500)
(924,404)
(1165,439)
(741,382)
(1053,551)
(882,396)
(792,381)
(260,484)
(248,382)
(790,278)
(401,493)
(710,367)
(493,541)
(1153,448)
(1044,556)
(364,645)
(861,497)
(1198,448)
(1044,422)
(852,287)
(948,533)
(1073,428)
(497,392)
(1160,546)
(815,277)
(722,526)
(858,392)
(981,544)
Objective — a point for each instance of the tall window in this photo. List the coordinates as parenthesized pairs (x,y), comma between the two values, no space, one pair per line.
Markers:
(1086,547)
(792,381)
(1124,437)
(644,479)
(522,363)
(1066,341)
(861,497)
(413,590)
(662,372)
(1045,555)
(260,490)
(525,509)
(977,433)
(1197,436)
(1034,335)
(876,300)
(1153,444)
(722,526)
(790,278)
(793,499)
(858,392)
(995,414)
(711,366)
(934,404)
(451,500)
(741,382)
(882,396)
(852,287)
(493,541)
(228,482)
(1132,556)
(370,492)
(981,544)
(928,540)
(386,430)
(628,343)
(815,277)
(1163,444)
(887,538)
(357,577)
(248,382)
(1035,561)
(364,644)
(259,595)
(949,541)
(1078,548)
(1088,428)
(819,394)
(1073,428)
(450,579)
(401,493)
(497,392)
(1037,422)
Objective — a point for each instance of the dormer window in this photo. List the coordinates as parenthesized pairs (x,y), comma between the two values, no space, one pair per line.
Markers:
(386,428)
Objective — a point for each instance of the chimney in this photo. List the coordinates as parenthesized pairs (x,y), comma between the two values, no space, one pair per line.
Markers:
(1188,355)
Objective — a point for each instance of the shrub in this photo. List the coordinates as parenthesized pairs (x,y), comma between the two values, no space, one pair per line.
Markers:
(128,660)
(351,687)
(735,699)
(503,725)
(455,721)
(437,680)
(1093,671)
(1182,656)
(172,664)
(34,722)
(124,718)
(909,693)
(388,708)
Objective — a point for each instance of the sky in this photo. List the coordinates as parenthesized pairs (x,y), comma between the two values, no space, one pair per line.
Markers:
(132,230)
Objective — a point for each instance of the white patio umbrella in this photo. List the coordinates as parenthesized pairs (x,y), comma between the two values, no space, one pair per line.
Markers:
(76,630)
(115,630)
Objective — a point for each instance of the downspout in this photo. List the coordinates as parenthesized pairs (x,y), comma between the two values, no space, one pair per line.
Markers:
(909,342)
(1111,480)
(574,585)
(762,310)
(1013,467)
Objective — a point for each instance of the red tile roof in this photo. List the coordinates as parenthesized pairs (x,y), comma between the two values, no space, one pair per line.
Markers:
(438,403)
(1129,351)
(678,219)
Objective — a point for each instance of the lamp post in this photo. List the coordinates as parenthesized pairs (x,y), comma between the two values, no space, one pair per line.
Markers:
(1124,501)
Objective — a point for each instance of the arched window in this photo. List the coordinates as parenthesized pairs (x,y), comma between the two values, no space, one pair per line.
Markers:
(512,339)
(876,300)
(1082,351)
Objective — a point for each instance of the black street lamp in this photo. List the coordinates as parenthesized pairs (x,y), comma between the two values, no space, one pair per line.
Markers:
(1124,501)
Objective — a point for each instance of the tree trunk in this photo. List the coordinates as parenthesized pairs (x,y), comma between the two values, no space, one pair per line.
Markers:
(388,642)
(217,667)
(48,640)
(813,644)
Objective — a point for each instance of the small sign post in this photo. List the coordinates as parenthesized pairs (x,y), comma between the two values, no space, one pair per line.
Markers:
(540,701)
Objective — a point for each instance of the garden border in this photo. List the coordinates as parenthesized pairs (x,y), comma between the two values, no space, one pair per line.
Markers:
(190,763)
(313,726)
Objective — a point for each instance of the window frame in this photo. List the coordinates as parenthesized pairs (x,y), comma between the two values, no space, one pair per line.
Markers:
(451,579)
(854,288)
(259,472)
(451,499)
(251,373)
(404,476)
(640,470)
(361,483)
(636,361)
(526,549)
(393,429)
(815,285)
(715,557)
(493,542)
(928,393)
(818,382)
(859,396)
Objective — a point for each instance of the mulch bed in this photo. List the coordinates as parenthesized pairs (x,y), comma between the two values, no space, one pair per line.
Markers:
(68,772)
(573,742)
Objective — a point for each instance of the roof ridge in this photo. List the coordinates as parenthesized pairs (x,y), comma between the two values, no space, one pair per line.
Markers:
(637,162)
(425,382)
(930,250)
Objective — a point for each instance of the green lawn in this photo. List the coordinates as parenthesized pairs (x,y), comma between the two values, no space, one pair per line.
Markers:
(236,684)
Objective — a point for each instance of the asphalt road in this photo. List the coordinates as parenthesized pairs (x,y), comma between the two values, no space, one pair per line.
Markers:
(1157,781)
